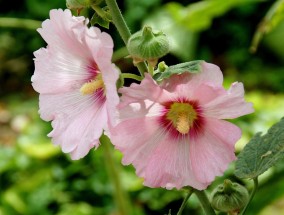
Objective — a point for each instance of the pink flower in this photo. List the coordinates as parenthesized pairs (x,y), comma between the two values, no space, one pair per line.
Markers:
(76,81)
(174,133)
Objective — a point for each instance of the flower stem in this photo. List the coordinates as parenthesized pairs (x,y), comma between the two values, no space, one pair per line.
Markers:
(151,69)
(120,196)
(122,28)
(202,197)
(255,181)
(190,191)
(132,76)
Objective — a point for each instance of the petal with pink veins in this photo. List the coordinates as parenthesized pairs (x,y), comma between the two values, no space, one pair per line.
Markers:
(229,105)
(213,150)
(147,89)
(81,133)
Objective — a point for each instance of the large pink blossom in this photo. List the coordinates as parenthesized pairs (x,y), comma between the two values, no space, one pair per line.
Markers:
(76,81)
(174,133)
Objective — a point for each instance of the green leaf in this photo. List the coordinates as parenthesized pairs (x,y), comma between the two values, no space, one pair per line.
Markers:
(100,21)
(262,152)
(271,20)
(101,17)
(187,67)
(199,16)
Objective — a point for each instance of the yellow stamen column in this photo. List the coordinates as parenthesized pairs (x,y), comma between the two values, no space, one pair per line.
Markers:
(182,116)
(92,86)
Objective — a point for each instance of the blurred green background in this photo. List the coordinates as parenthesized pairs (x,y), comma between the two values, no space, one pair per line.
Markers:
(37,178)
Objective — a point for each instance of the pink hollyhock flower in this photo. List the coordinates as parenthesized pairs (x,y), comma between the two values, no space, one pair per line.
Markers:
(174,133)
(76,81)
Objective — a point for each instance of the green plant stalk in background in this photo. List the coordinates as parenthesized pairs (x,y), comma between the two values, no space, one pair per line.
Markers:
(255,181)
(205,204)
(190,191)
(19,23)
(121,198)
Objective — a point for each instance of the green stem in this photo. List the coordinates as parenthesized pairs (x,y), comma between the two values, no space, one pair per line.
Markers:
(151,69)
(98,10)
(184,201)
(123,30)
(120,196)
(19,23)
(264,25)
(118,20)
(255,181)
(132,76)
(202,197)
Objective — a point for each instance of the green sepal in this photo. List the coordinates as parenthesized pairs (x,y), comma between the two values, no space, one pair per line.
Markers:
(262,152)
(187,67)
(103,18)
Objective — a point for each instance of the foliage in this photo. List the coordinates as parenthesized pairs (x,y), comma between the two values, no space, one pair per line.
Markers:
(271,20)
(199,16)
(188,67)
(262,152)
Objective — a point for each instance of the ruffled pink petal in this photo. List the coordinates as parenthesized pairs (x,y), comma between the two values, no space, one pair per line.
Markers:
(213,150)
(79,134)
(147,89)
(206,93)
(132,138)
(170,166)
(64,65)
(131,135)
(72,49)
(68,104)
(100,45)
(110,76)
(229,105)
(58,73)
(64,32)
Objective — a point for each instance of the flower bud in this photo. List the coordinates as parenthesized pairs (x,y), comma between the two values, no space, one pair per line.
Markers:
(229,197)
(147,45)
(80,4)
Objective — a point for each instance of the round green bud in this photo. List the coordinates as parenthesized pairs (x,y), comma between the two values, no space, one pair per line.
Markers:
(229,197)
(148,45)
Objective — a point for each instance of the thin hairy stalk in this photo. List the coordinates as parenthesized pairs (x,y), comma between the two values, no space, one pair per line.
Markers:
(203,199)
(190,191)
(255,181)
(123,29)
(131,76)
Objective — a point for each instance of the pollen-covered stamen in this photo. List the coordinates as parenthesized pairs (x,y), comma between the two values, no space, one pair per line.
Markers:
(182,116)
(92,86)
(182,124)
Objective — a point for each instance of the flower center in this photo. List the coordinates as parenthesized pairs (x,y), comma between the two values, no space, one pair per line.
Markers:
(92,86)
(182,116)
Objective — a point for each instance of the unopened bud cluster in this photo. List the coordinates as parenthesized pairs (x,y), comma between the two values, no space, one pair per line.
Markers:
(146,45)
(229,197)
